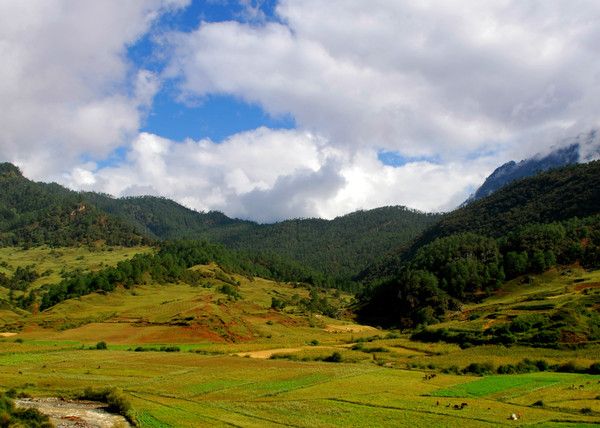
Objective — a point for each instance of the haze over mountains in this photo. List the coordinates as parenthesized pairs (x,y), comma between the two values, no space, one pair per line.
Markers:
(583,148)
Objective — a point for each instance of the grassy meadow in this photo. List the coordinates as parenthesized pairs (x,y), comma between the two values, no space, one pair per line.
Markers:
(234,361)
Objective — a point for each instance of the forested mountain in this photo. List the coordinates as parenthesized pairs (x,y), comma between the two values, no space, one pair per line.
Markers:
(583,148)
(36,213)
(342,246)
(39,213)
(162,218)
(527,227)
(572,191)
(338,247)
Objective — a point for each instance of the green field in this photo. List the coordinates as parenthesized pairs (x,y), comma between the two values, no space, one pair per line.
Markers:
(222,374)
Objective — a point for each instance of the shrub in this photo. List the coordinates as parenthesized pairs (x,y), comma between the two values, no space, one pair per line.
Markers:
(538,403)
(594,369)
(479,368)
(277,304)
(230,291)
(101,345)
(569,367)
(10,416)
(115,398)
(336,357)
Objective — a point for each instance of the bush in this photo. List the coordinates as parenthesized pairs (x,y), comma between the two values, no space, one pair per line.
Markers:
(336,357)
(277,304)
(230,291)
(115,398)
(101,345)
(569,367)
(594,369)
(10,416)
(538,403)
(479,368)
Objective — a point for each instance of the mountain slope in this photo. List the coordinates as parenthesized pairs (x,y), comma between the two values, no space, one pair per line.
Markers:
(340,247)
(556,195)
(40,213)
(582,148)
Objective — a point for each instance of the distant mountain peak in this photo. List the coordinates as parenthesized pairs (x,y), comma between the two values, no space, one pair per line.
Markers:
(9,170)
(583,148)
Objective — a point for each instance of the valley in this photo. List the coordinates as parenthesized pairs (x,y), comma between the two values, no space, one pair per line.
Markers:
(186,355)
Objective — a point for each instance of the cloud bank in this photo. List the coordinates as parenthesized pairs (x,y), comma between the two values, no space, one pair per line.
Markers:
(454,88)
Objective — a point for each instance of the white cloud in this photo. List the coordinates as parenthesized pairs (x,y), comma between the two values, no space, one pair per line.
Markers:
(422,78)
(64,79)
(269,175)
(468,83)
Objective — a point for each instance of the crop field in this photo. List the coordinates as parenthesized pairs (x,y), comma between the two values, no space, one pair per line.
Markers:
(237,362)
(188,389)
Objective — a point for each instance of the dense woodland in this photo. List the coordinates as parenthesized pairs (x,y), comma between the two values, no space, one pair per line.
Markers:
(418,266)
(526,228)
(466,267)
(339,247)
(37,213)
(556,195)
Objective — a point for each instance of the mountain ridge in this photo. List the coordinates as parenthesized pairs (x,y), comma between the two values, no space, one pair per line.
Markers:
(581,149)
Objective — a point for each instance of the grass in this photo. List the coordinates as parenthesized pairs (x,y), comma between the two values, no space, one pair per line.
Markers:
(379,383)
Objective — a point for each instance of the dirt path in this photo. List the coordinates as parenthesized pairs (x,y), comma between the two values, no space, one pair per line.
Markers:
(268,353)
(7,334)
(70,414)
(348,328)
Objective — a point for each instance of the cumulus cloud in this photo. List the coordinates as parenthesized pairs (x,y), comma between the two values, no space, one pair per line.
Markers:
(269,175)
(66,89)
(470,84)
(421,78)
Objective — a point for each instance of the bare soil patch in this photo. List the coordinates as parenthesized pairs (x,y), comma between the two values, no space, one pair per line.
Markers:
(7,334)
(268,353)
(348,328)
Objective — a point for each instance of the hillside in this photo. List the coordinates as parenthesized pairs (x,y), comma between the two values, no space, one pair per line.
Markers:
(583,148)
(572,191)
(39,213)
(339,247)
(528,227)
(189,354)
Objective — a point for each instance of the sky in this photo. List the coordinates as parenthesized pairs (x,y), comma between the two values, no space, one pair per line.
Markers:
(275,109)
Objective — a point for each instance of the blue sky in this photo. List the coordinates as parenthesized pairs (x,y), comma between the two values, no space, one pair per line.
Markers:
(278,109)
(215,116)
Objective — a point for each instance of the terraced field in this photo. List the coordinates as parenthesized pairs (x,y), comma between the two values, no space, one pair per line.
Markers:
(237,362)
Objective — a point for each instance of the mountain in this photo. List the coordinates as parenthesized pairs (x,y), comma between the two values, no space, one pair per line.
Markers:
(582,148)
(340,247)
(552,196)
(39,213)
(559,194)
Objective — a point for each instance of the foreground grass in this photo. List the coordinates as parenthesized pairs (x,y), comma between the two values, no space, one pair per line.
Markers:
(380,381)
(187,389)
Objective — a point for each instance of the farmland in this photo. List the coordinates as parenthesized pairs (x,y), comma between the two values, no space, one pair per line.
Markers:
(194,355)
